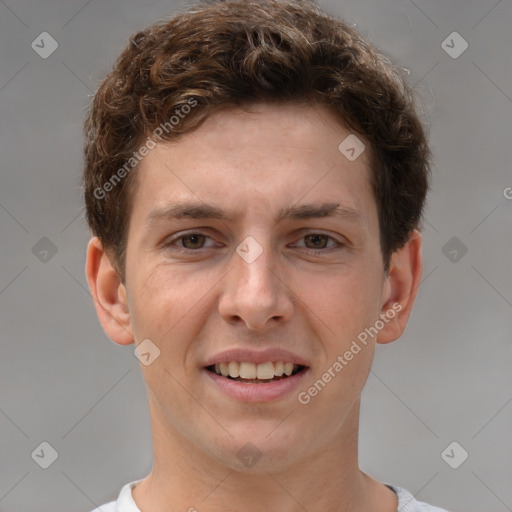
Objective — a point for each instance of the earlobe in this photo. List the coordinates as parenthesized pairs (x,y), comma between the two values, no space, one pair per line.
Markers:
(400,288)
(109,294)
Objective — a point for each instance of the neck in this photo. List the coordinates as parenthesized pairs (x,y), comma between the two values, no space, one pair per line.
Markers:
(184,477)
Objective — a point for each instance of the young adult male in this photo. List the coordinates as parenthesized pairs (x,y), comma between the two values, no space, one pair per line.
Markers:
(255,177)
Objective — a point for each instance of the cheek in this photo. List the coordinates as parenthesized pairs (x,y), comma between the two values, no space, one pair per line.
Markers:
(165,312)
(172,306)
(163,299)
(346,301)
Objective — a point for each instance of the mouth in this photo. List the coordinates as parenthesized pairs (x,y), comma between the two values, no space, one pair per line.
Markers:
(252,373)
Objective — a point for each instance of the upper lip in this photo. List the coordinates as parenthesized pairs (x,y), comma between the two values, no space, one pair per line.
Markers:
(256,356)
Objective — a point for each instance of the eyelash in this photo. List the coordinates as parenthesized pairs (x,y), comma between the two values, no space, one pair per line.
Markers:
(170,243)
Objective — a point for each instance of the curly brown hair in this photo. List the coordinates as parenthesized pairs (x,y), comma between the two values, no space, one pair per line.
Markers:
(226,54)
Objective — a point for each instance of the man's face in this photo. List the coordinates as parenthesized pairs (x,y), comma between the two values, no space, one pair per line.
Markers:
(306,286)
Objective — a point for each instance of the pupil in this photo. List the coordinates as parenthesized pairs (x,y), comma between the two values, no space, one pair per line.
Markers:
(316,237)
(190,237)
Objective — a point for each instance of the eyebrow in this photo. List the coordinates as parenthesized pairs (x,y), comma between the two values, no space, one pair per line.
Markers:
(192,210)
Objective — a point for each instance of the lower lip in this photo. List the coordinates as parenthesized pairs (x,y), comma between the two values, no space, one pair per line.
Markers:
(257,392)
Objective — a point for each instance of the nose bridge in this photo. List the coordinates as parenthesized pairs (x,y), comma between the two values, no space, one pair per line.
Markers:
(255,265)
(253,292)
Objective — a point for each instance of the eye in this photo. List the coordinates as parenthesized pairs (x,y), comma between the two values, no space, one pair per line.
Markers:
(189,241)
(319,241)
(194,241)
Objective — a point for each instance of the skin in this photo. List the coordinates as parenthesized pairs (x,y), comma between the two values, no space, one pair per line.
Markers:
(193,305)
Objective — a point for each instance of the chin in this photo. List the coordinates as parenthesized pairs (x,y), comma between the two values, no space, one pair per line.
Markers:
(260,449)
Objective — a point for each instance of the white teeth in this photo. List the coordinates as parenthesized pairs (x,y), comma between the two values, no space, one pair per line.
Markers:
(247,370)
(224,369)
(279,369)
(263,371)
(234,369)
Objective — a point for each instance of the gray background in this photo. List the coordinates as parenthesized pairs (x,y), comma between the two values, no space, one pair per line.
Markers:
(447,379)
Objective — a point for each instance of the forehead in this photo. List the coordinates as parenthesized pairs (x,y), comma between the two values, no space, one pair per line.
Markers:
(267,159)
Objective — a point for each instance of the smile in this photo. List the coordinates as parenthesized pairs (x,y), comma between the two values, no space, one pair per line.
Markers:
(255,373)
(256,382)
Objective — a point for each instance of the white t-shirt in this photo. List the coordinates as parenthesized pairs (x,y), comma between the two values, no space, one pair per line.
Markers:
(125,503)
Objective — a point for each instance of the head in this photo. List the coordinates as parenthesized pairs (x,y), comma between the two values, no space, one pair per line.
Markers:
(247,106)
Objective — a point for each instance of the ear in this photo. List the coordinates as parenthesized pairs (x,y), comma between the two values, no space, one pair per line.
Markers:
(109,294)
(400,288)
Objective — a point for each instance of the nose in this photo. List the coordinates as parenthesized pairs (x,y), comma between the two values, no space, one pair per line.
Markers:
(256,293)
